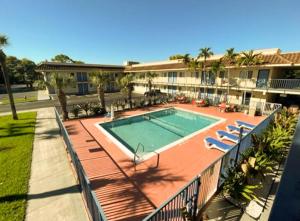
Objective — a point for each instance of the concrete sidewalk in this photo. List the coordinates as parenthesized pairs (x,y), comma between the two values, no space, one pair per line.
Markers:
(43,95)
(53,192)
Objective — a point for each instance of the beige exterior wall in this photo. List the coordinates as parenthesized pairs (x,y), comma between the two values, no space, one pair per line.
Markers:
(73,88)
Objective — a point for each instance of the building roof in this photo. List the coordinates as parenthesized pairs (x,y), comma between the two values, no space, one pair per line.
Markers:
(271,57)
(57,66)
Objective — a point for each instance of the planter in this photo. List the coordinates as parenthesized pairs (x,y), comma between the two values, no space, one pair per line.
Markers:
(236,202)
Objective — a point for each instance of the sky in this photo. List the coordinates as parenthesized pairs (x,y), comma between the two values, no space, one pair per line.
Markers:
(113,31)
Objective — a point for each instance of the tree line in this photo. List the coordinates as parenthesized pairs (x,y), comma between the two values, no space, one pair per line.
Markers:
(20,71)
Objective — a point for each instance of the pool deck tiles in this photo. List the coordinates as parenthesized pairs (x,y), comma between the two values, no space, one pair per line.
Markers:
(127,192)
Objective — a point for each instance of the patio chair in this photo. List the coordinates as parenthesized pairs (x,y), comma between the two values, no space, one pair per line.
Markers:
(224,135)
(214,143)
(234,129)
(244,124)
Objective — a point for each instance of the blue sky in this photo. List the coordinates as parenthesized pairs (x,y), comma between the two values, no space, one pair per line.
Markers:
(112,31)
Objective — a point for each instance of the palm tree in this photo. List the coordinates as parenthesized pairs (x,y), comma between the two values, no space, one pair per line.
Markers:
(249,59)
(3,43)
(216,67)
(150,76)
(186,58)
(101,79)
(125,83)
(205,53)
(60,81)
(229,59)
(179,56)
(193,65)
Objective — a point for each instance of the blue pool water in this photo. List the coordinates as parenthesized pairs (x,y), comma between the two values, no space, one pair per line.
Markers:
(156,129)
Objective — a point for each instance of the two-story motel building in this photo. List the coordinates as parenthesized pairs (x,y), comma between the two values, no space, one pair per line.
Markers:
(277,79)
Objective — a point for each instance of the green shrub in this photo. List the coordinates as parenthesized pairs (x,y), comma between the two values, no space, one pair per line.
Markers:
(95,109)
(266,151)
(75,110)
(236,186)
(85,107)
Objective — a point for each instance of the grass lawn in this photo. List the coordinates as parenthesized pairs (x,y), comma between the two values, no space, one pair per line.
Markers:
(16,141)
(18,100)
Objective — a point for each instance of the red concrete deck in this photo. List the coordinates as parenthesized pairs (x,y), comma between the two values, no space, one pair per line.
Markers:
(128,193)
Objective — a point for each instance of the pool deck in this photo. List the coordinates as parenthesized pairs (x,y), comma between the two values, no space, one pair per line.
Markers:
(129,193)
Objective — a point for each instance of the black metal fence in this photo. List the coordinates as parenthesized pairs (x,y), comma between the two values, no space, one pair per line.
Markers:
(182,206)
(210,178)
(188,200)
(94,207)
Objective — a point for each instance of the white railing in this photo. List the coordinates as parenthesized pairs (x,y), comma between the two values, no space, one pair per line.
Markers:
(262,84)
(284,83)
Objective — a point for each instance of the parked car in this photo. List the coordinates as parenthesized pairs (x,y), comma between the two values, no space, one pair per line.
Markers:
(153,93)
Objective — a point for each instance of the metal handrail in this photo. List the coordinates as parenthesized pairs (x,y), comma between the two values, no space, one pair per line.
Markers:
(136,150)
(246,83)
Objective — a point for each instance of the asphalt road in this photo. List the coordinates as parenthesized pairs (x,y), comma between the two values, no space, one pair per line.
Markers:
(20,94)
(71,100)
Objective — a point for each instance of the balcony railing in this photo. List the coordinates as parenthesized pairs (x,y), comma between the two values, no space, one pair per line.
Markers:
(292,84)
(285,83)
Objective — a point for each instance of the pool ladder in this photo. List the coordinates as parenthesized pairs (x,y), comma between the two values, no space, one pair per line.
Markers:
(136,151)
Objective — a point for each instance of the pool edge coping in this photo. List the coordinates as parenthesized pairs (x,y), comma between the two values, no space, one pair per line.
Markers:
(149,155)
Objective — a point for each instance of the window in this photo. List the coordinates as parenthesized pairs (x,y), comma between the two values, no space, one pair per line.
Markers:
(197,74)
(222,74)
(81,76)
(250,73)
(165,74)
(246,74)
(181,74)
(242,74)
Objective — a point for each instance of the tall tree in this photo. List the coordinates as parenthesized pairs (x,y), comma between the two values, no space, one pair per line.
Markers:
(3,43)
(62,58)
(193,65)
(229,59)
(28,71)
(60,81)
(179,56)
(249,59)
(13,65)
(205,53)
(101,79)
(125,83)
(216,67)
(149,77)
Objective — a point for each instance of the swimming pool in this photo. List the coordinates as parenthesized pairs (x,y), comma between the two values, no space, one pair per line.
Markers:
(156,131)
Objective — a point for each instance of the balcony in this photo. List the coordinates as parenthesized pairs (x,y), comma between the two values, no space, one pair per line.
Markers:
(275,85)
(285,84)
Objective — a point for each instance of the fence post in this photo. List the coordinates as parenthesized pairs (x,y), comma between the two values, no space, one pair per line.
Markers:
(239,145)
(196,196)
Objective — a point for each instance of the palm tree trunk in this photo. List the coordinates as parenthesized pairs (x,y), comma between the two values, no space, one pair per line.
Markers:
(9,92)
(101,98)
(129,97)
(149,85)
(228,78)
(205,78)
(63,103)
